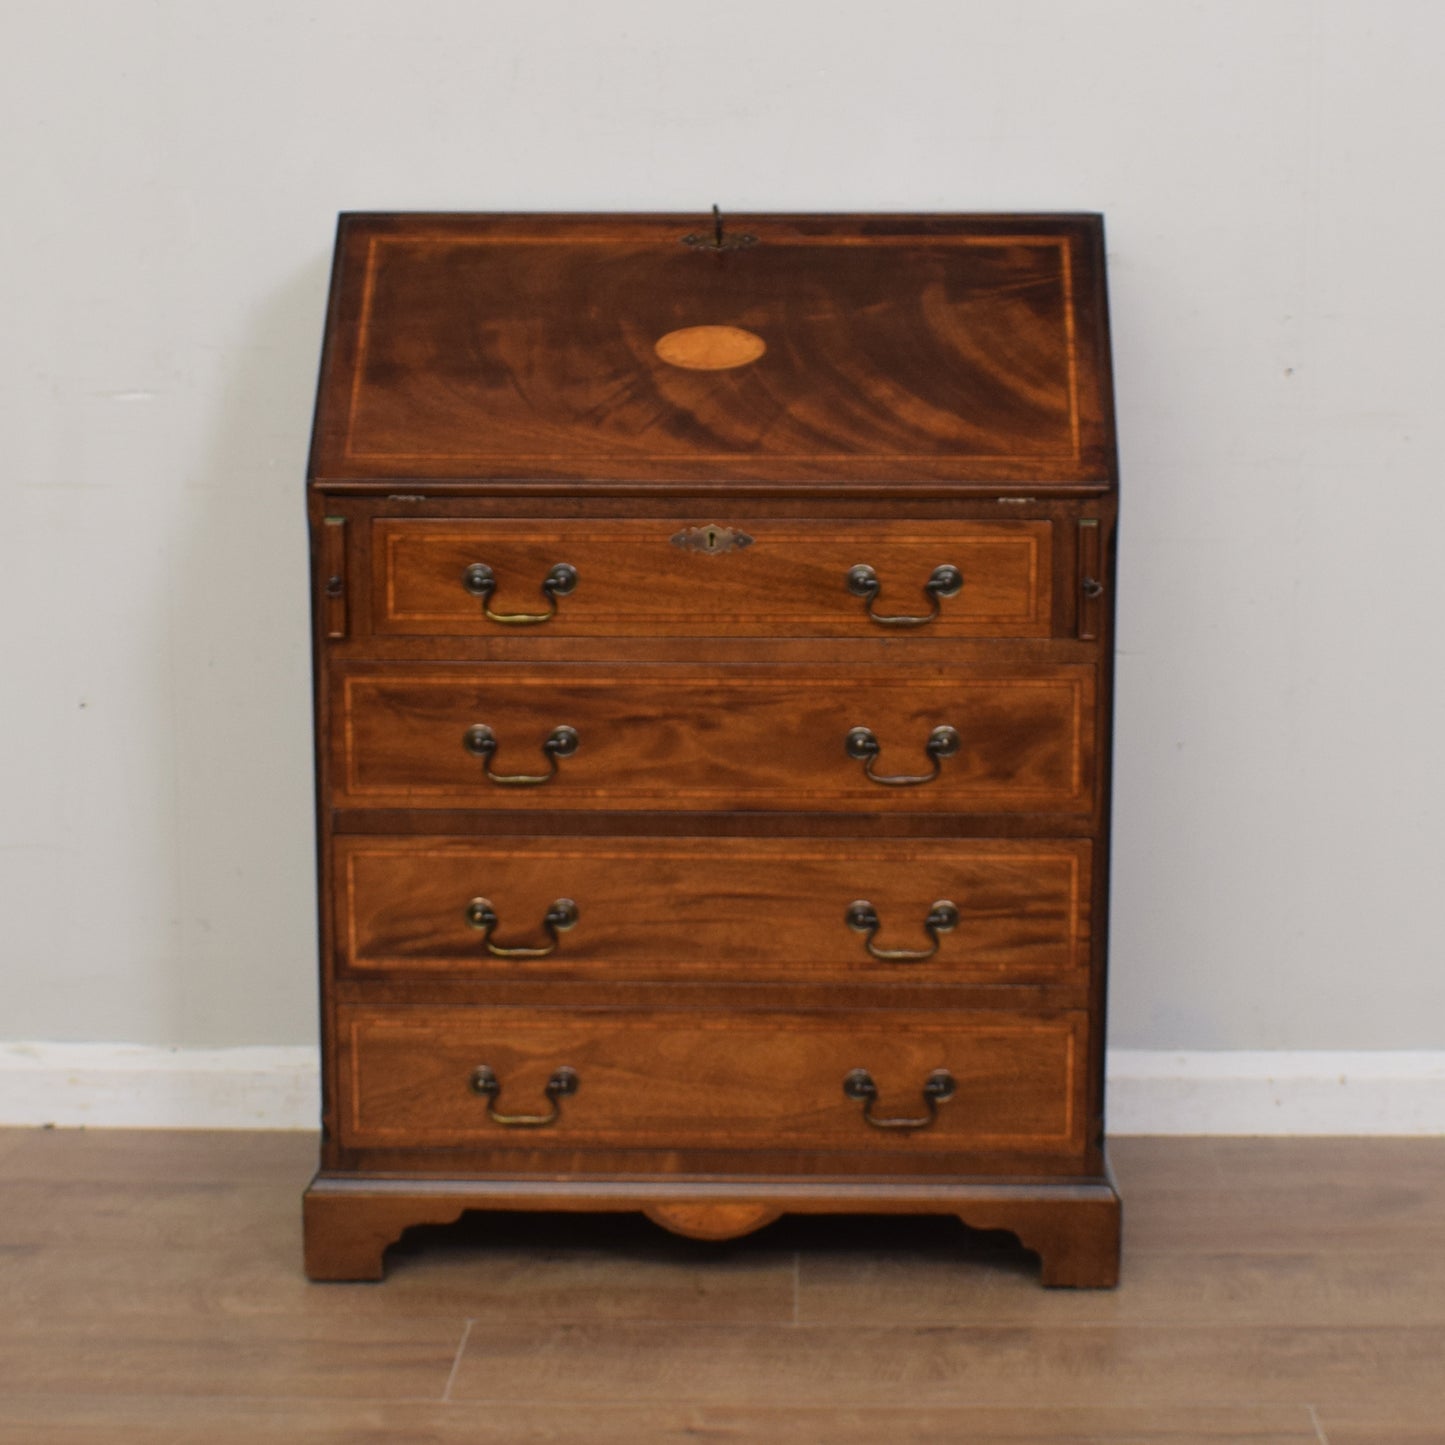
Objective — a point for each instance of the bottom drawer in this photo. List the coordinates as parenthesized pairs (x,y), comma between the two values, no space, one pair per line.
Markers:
(995,1082)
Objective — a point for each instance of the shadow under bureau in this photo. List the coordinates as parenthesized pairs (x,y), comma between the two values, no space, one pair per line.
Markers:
(713,693)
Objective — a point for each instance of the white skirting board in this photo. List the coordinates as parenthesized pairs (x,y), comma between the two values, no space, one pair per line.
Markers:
(133,1086)
(1233,1092)
(1275,1092)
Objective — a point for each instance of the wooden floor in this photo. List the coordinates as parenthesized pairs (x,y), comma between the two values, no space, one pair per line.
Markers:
(1274,1291)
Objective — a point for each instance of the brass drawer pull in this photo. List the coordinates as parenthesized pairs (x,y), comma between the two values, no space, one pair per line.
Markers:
(561,916)
(945,581)
(938,1089)
(481,581)
(942,743)
(862,917)
(562,1084)
(481,742)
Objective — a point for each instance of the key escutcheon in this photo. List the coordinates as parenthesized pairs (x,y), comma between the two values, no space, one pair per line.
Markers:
(561,1085)
(562,915)
(943,742)
(945,581)
(862,917)
(938,1089)
(481,581)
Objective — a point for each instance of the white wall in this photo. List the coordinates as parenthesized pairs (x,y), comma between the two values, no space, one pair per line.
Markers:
(1270,172)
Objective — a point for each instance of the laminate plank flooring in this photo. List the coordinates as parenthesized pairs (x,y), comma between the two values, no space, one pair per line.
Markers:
(1273,1291)
(515,1271)
(44,1421)
(917,1285)
(1348,1427)
(854,1364)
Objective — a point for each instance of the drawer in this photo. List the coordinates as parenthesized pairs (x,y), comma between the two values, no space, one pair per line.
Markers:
(675,1079)
(980,738)
(718,909)
(654,578)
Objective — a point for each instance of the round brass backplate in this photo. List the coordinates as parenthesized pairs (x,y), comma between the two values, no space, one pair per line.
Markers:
(710,348)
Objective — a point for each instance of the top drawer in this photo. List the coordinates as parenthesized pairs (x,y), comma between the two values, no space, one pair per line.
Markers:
(664,577)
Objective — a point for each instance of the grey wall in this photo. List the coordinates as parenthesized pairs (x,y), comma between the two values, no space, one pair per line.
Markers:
(1270,174)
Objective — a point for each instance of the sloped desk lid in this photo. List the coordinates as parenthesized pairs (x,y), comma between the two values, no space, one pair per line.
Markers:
(930,354)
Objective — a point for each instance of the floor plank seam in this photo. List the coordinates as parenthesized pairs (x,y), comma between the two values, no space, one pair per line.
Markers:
(1319,1429)
(457,1361)
(90,1396)
(983,1407)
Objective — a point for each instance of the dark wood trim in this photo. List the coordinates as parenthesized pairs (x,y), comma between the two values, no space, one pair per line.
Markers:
(1072,1226)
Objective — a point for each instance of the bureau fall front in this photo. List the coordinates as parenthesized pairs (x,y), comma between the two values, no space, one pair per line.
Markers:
(713,695)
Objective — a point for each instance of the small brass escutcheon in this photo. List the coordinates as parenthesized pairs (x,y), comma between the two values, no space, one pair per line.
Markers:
(711,539)
(718,241)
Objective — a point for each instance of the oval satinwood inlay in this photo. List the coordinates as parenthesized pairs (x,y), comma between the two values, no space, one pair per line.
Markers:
(710,348)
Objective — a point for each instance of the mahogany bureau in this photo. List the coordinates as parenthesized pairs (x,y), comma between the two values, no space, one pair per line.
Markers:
(713,625)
